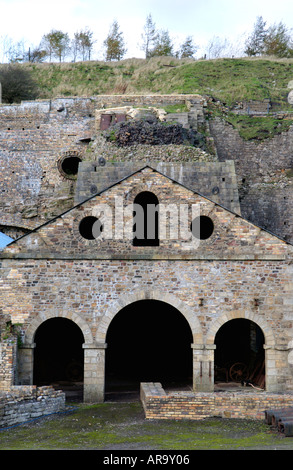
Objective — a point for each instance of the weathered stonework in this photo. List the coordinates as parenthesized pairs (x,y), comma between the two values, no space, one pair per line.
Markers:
(240,271)
(54,272)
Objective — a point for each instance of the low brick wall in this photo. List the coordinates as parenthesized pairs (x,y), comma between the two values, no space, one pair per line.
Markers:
(23,403)
(158,404)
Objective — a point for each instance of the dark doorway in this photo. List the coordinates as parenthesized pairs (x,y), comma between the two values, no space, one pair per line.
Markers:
(146,220)
(58,355)
(239,354)
(148,341)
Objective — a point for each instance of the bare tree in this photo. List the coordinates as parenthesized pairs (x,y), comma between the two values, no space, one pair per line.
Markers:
(216,47)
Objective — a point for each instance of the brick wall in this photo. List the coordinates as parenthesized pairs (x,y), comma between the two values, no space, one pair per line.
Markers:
(158,404)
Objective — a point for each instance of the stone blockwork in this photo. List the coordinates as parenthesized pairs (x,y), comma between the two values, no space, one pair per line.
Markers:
(158,404)
(214,180)
(240,271)
(26,403)
(264,177)
(33,137)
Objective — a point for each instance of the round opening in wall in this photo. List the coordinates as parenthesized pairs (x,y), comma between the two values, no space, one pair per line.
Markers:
(202,227)
(90,228)
(69,166)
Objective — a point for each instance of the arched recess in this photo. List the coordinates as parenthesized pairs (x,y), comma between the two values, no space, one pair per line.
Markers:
(267,330)
(41,317)
(58,355)
(139,294)
(26,351)
(146,219)
(148,341)
(241,342)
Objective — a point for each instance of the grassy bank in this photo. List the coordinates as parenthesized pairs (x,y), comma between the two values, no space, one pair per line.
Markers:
(228,80)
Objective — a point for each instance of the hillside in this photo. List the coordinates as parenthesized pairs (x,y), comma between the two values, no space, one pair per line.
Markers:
(227,83)
(227,80)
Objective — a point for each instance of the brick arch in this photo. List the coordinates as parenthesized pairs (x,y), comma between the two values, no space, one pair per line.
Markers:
(171,299)
(266,329)
(42,317)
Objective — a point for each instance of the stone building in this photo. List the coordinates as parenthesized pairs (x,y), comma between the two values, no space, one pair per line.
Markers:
(99,295)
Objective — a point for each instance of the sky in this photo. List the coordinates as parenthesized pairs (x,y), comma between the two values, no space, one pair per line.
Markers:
(29,20)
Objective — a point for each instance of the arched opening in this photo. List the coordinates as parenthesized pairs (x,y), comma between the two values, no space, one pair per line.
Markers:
(239,354)
(146,220)
(58,356)
(148,341)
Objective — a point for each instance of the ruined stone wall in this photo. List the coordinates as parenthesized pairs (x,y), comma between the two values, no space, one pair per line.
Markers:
(263,176)
(33,137)
(21,404)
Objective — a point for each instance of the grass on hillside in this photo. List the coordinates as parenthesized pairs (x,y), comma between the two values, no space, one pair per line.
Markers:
(227,80)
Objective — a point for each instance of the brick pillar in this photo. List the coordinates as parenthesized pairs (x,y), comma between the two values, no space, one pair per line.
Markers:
(94,372)
(203,367)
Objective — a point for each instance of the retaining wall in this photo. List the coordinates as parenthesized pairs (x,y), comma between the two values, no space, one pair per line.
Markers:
(158,404)
(23,403)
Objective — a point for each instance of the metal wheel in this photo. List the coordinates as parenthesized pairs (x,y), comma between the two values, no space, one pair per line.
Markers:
(238,372)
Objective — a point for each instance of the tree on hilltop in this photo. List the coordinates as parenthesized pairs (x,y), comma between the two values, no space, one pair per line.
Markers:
(56,44)
(149,36)
(275,40)
(114,43)
(163,45)
(255,44)
(187,48)
(82,44)
(278,41)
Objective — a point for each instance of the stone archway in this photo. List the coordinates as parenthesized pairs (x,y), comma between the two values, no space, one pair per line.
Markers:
(26,351)
(272,355)
(199,356)
(148,341)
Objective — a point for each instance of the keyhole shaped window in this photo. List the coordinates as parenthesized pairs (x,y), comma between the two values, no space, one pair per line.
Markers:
(146,220)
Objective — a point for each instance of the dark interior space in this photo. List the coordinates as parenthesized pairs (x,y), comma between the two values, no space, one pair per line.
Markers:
(239,354)
(146,225)
(148,341)
(58,355)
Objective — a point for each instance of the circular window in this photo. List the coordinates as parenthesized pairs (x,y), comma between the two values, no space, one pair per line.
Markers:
(90,228)
(202,227)
(69,166)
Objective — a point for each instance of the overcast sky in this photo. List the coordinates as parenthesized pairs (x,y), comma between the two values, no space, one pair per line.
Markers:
(29,20)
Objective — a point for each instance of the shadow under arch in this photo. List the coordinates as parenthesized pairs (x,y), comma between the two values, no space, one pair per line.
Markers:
(241,342)
(259,321)
(42,317)
(125,300)
(58,354)
(148,341)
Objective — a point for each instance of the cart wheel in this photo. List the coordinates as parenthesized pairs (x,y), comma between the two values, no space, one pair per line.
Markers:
(238,372)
